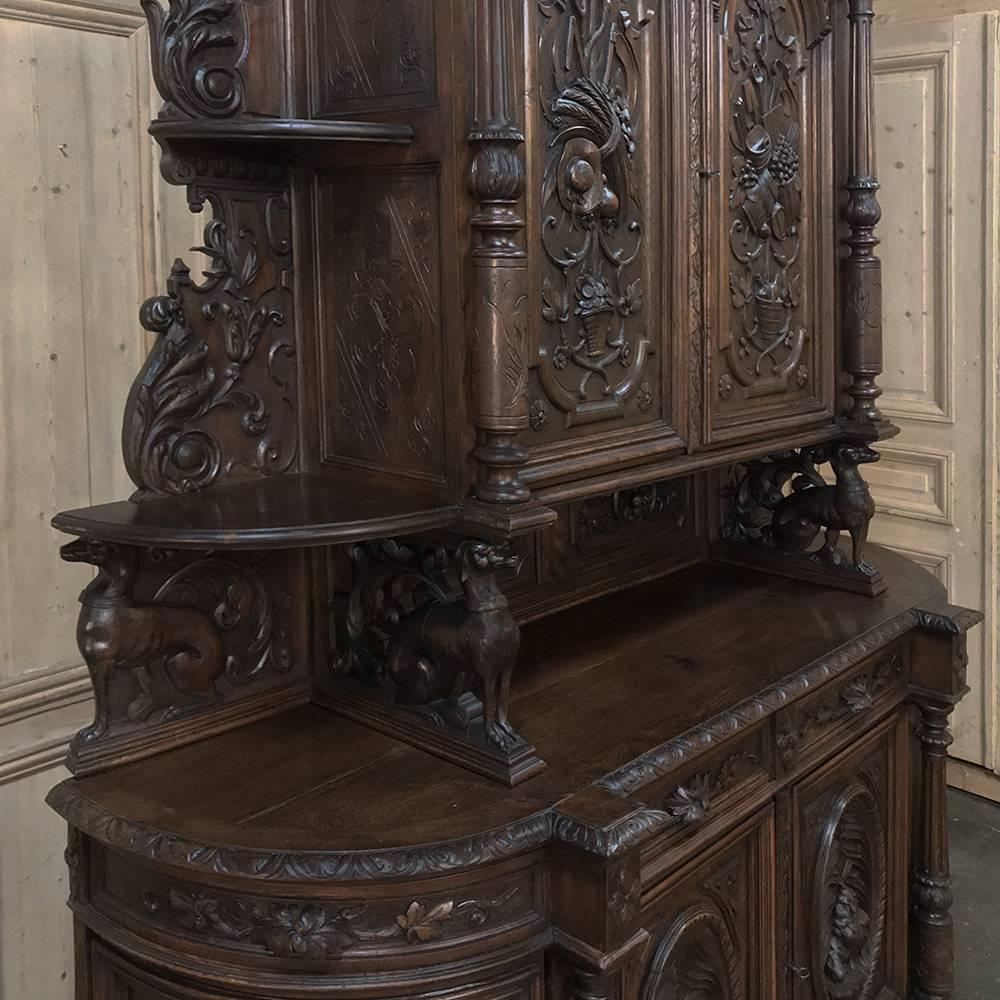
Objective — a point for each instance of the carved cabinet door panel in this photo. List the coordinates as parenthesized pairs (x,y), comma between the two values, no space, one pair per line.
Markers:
(847,883)
(711,927)
(604,351)
(770,204)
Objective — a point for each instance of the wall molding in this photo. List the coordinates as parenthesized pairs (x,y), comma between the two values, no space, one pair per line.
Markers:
(113,17)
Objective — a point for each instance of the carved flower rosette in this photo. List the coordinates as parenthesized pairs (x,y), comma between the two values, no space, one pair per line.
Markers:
(594,348)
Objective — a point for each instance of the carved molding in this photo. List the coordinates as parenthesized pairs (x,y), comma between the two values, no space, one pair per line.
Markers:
(595,348)
(660,762)
(154,845)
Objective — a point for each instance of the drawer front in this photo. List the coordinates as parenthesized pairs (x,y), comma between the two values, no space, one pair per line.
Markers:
(811,729)
(711,925)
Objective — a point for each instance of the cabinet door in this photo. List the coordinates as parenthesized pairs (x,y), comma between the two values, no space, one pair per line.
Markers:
(711,926)
(770,239)
(849,827)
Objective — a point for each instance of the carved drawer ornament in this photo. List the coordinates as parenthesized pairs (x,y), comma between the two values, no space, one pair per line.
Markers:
(611,514)
(315,931)
(592,216)
(854,699)
(765,199)
(691,802)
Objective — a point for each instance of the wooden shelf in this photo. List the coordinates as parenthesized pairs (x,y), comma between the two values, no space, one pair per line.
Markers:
(290,512)
(282,130)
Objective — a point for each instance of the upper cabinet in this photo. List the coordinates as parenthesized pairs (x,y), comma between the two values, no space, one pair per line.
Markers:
(771,238)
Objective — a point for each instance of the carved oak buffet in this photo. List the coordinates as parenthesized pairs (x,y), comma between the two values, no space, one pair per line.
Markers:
(494,616)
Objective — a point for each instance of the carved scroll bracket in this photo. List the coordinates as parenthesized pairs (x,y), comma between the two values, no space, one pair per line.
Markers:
(775,510)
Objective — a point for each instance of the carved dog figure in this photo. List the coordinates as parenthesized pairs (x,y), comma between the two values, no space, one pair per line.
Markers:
(440,649)
(115,633)
(847,506)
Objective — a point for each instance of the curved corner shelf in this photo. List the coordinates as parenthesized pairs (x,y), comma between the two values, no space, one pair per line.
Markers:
(282,130)
(289,512)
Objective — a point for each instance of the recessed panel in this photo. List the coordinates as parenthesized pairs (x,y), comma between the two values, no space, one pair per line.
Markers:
(380,328)
(912,97)
(374,53)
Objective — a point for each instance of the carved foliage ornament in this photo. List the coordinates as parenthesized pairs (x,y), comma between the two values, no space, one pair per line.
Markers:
(765,198)
(220,347)
(197,49)
(316,931)
(850,897)
(596,346)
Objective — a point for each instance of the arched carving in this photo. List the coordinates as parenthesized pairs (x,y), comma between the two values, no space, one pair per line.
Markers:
(695,959)
(849,898)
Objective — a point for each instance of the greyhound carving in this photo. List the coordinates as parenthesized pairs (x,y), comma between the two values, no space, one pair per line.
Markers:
(441,650)
(116,633)
(847,506)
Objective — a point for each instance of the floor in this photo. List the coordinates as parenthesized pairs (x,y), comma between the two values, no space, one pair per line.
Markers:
(975,863)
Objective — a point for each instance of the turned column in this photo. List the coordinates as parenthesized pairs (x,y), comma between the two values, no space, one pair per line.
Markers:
(939,662)
(933,936)
(498,305)
(862,269)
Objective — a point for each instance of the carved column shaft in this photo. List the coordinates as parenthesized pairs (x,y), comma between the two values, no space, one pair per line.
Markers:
(499,287)
(862,333)
(933,962)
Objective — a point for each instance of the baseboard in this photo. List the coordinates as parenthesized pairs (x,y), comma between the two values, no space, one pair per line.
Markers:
(973,779)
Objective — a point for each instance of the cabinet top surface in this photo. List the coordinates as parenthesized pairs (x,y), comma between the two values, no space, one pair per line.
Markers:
(600,686)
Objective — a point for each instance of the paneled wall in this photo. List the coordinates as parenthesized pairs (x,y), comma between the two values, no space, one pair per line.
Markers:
(85,243)
(937,93)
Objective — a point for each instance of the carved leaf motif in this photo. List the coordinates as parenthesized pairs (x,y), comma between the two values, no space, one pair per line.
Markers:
(423,924)
(194,46)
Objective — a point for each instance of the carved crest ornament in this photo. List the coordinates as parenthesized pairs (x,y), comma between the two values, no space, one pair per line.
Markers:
(594,356)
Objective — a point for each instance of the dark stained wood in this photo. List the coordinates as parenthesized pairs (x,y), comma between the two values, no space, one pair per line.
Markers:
(284,513)
(484,623)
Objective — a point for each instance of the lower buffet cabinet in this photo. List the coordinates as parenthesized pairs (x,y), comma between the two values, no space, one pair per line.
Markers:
(734,827)
(804,900)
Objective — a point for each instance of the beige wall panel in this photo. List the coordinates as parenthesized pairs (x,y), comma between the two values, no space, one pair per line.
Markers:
(936,89)
(91,230)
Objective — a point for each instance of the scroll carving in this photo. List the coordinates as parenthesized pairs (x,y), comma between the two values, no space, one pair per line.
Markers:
(760,510)
(208,627)
(765,202)
(433,631)
(222,346)
(608,515)
(595,353)
(197,49)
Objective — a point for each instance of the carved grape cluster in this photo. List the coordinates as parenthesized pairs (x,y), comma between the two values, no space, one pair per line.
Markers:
(784,160)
